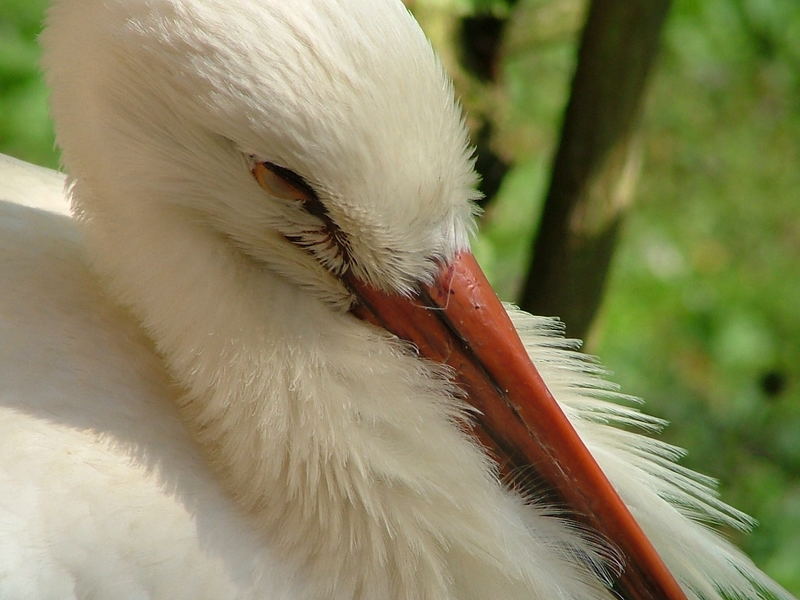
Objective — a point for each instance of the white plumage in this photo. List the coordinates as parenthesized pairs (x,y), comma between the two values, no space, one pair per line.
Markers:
(186,408)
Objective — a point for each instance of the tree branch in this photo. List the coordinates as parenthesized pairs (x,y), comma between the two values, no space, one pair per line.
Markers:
(596,164)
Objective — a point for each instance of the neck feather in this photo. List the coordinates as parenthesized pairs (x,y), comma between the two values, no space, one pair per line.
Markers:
(346,450)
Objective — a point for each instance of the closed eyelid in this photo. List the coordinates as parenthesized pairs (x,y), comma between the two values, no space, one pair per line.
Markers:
(285,184)
(281,182)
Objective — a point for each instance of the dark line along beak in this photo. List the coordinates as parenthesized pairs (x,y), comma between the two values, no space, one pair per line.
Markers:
(459,321)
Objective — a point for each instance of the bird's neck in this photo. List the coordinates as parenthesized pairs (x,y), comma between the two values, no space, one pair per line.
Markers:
(347,451)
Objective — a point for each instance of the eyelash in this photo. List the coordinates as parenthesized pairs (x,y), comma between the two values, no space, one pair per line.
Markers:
(292,187)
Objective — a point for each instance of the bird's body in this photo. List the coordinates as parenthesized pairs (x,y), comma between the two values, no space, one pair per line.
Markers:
(91,453)
(105,494)
(188,410)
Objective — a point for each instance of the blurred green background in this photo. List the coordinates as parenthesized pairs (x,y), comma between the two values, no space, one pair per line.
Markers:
(702,313)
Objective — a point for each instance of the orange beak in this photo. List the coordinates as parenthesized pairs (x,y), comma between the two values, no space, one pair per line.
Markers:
(459,321)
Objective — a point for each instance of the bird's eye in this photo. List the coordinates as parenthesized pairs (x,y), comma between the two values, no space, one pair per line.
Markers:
(282,183)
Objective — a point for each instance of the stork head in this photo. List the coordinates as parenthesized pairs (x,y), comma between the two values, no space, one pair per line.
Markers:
(321,139)
(272,122)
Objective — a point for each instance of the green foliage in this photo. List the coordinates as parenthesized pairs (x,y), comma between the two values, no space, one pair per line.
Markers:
(469,7)
(701,316)
(25,130)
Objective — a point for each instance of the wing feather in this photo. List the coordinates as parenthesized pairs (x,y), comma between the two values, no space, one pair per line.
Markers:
(675,506)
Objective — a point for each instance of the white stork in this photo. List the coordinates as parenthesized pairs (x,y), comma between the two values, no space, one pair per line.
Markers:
(195,399)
